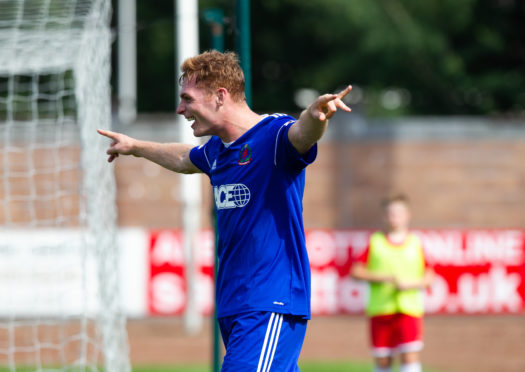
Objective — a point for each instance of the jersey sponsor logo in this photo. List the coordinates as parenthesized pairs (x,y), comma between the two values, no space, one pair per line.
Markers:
(230,196)
(245,155)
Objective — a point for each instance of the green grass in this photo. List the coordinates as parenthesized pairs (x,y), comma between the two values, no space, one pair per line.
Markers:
(343,366)
(187,368)
(335,367)
(305,367)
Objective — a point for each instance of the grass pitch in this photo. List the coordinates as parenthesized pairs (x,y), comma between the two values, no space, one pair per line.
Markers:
(305,367)
(343,366)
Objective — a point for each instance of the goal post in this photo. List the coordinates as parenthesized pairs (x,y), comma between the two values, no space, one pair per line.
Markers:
(60,307)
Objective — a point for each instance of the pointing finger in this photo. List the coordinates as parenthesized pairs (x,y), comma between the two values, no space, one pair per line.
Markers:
(326,98)
(107,133)
(344,92)
(339,103)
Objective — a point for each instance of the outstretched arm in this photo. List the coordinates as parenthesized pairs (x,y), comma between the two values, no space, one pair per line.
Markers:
(313,121)
(173,156)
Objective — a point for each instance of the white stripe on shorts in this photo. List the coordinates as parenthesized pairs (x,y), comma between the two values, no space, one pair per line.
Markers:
(270,342)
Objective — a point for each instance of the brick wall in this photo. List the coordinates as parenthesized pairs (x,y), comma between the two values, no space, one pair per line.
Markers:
(459,173)
(463,184)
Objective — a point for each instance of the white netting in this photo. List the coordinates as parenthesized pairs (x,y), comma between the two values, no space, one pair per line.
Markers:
(59,299)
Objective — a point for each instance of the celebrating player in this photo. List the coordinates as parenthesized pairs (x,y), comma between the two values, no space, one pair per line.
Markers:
(394,265)
(256,167)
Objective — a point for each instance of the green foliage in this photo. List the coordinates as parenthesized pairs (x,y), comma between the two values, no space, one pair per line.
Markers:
(453,57)
(155,56)
(19,100)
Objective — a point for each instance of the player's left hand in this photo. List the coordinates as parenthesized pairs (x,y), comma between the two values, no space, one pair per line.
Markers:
(325,106)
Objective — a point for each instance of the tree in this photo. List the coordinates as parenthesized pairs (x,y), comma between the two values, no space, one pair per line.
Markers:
(446,56)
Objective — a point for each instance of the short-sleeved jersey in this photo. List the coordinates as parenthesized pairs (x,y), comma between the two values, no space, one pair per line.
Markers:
(258,185)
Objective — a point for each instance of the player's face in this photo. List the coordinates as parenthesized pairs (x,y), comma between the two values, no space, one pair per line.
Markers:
(397,216)
(199,106)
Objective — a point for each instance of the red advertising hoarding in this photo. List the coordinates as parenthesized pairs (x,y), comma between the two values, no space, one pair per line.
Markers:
(166,286)
(478,271)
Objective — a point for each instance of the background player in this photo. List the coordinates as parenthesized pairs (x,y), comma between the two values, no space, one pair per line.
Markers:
(394,265)
(256,167)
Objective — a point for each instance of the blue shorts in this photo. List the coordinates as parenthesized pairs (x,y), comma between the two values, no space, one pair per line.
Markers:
(262,342)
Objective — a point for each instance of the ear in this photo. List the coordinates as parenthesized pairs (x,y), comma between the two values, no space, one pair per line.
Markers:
(221,93)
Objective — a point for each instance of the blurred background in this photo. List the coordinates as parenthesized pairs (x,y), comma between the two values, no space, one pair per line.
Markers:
(438,104)
(402,57)
(438,113)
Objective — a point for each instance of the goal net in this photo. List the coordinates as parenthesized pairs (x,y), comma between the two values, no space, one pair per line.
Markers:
(59,296)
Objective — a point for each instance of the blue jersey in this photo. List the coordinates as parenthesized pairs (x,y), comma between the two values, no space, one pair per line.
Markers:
(258,185)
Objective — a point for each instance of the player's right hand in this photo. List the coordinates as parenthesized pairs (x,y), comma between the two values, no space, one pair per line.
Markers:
(121,144)
(325,106)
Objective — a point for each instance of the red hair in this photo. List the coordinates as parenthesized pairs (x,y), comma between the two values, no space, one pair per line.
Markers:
(213,70)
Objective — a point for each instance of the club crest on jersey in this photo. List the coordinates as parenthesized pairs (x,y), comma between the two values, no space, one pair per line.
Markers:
(245,155)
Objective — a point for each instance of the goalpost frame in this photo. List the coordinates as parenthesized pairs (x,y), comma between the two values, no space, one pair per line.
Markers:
(43,41)
(187,45)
